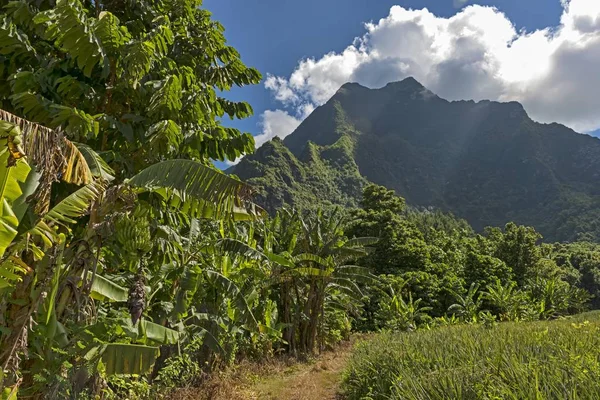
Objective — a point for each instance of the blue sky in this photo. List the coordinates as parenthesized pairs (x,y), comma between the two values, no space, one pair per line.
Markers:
(275,35)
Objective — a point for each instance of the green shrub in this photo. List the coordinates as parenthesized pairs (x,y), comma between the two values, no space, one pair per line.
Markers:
(534,360)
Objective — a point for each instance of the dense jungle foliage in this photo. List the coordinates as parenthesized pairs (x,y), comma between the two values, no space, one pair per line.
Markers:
(130,266)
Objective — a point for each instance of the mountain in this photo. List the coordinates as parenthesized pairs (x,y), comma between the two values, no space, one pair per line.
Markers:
(486,161)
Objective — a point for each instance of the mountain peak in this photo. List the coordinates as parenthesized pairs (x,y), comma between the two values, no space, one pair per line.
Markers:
(351,85)
(406,83)
(349,88)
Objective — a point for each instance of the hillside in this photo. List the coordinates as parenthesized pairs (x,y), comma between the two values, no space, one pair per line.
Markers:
(487,162)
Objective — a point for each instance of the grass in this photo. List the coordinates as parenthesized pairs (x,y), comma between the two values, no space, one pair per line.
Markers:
(538,360)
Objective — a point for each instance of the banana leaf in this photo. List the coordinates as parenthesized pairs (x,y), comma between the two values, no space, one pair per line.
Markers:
(128,359)
(104,289)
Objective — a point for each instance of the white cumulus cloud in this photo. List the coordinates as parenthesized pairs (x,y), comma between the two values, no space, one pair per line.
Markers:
(276,123)
(475,54)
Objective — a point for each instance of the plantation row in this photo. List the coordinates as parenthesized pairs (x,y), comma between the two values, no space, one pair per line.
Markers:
(130,266)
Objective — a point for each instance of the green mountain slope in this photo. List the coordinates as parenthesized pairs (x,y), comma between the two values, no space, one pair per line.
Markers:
(316,176)
(487,162)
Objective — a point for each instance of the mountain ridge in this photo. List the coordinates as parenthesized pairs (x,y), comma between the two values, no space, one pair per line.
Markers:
(485,161)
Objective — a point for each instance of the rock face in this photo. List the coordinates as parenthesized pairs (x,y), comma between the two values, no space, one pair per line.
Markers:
(487,162)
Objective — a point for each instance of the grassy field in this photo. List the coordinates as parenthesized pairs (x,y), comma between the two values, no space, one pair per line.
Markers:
(537,360)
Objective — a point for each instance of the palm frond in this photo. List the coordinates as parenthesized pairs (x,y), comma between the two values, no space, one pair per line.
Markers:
(197,189)
(76,204)
(44,146)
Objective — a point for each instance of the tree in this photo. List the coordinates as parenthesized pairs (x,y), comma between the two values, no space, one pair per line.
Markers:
(402,315)
(401,246)
(517,247)
(136,81)
(380,199)
(485,270)
(505,299)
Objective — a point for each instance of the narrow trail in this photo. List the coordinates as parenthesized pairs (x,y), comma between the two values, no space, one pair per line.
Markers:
(281,379)
(317,380)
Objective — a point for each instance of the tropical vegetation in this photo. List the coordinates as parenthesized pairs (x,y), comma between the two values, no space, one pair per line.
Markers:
(131,266)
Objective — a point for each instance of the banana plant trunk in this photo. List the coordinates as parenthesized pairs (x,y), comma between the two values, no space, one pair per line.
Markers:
(285,310)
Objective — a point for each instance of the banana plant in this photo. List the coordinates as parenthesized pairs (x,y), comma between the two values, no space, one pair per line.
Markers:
(196,189)
(467,306)
(506,299)
(307,258)
(124,88)
(404,315)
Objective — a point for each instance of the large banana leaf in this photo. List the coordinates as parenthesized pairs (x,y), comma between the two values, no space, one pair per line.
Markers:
(308,257)
(198,331)
(209,339)
(73,206)
(76,204)
(13,172)
(41,144)
(17,180)
(190,276)
(104,289)
(149,333)
(157,333)
(346,286)
(200,190)
(280,260)
(238,247)
(128,359)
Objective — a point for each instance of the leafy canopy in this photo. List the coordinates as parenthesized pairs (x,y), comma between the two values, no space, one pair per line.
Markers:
(138,81)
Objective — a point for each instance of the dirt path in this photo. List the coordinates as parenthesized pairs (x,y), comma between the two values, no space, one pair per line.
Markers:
(319,379)
(279,379)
